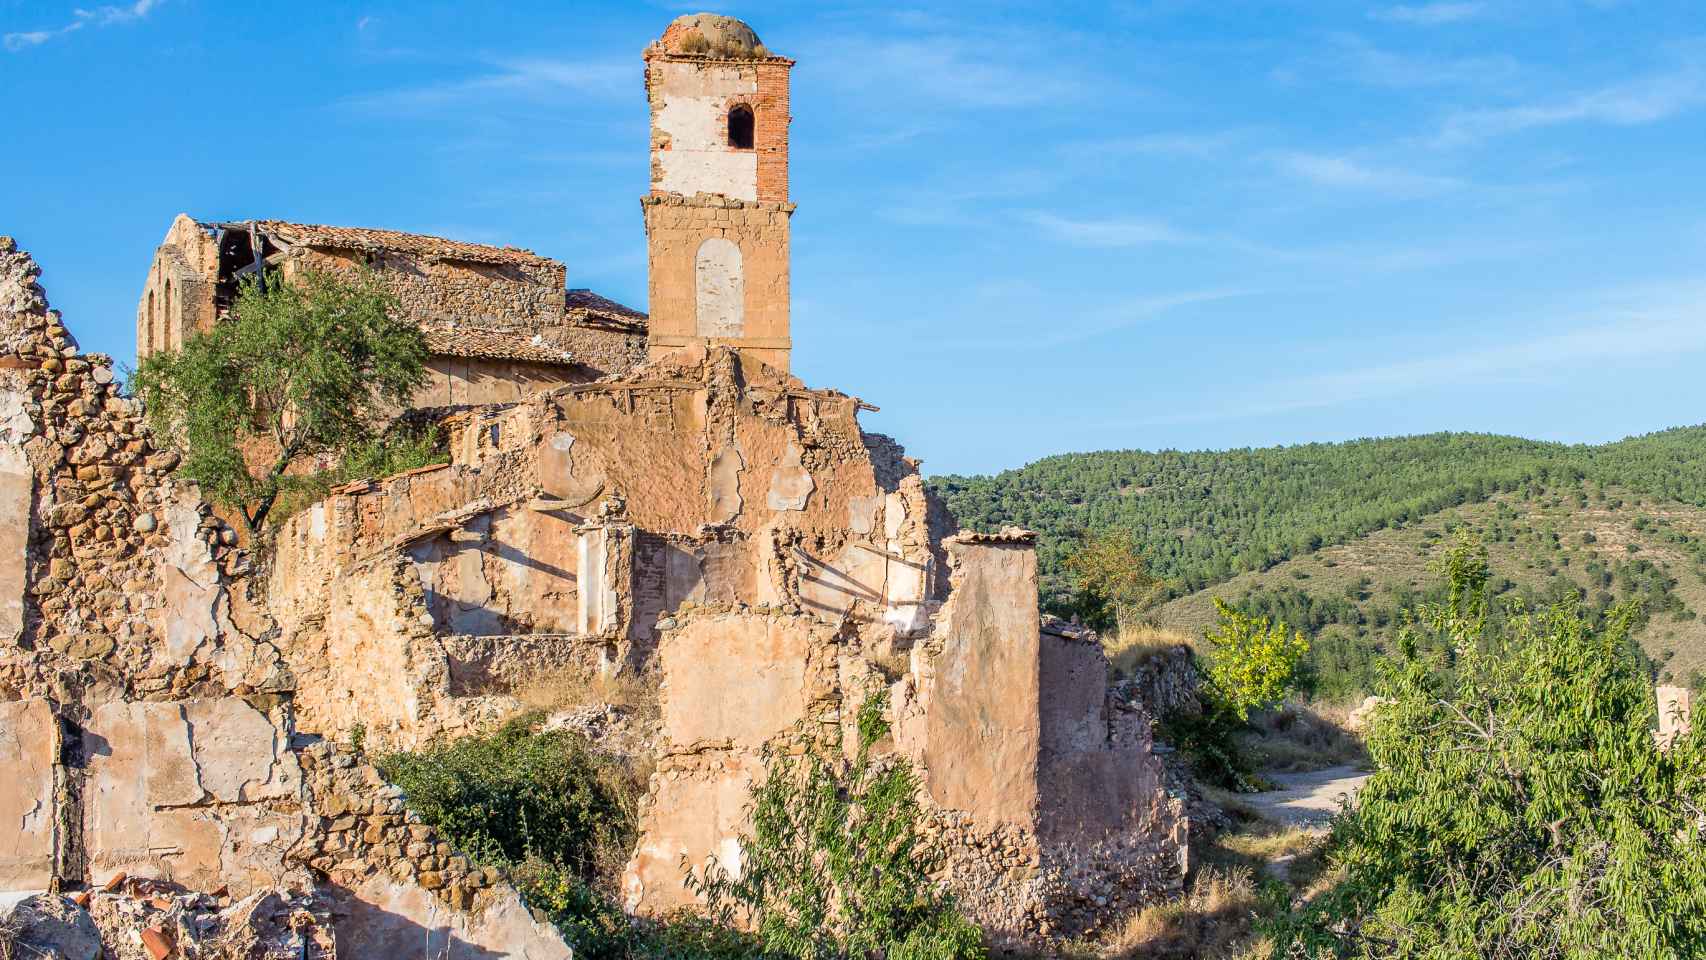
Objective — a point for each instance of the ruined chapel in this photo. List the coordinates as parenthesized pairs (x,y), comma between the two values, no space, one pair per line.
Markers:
(645,494)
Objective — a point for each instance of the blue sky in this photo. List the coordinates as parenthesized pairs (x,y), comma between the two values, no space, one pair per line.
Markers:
(1022,229)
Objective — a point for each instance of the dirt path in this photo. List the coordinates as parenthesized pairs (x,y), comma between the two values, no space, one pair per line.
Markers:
(1307,799)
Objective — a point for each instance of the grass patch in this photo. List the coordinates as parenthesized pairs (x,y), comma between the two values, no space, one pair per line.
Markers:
(1296,737)
(1129,647)
(565,689)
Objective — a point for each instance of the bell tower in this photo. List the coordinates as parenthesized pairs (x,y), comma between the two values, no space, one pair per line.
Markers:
(717,214)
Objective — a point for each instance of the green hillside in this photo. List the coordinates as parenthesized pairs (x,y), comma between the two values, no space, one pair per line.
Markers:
(1348,597)
(1336,538)
(1203,518)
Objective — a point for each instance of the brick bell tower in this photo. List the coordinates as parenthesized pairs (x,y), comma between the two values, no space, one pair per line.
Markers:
(717,215)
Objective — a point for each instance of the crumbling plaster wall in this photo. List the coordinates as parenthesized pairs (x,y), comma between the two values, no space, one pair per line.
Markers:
(145,717)
(471,381)
(690,102)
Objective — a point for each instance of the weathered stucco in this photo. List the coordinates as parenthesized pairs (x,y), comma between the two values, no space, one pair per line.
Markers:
(677,508)
(29,751)
(144,729)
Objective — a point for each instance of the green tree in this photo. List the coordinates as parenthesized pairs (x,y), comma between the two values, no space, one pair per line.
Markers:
(298,370)
(1519,805)
(1252,661)
(837,864)
(1114,584)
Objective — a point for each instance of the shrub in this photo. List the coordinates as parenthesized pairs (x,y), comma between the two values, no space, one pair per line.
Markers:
(836,864)
(1113,581)
(1519,805)
(559,817)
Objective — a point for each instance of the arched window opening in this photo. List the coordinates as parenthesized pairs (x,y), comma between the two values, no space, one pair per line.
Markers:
(740,127)
(167,335)
(148,332)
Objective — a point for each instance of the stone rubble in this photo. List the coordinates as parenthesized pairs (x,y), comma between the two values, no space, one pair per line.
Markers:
(678,511)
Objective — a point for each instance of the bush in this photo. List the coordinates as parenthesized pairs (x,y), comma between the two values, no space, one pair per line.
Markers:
(1519,805)
(558,817)
(836,864)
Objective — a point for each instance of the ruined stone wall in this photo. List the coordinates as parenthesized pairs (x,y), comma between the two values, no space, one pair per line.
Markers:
(519,297)
(608,349)
(1047,793)
(146,717)
(178,296)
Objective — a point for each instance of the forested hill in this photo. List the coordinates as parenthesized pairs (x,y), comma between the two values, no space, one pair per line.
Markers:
(1203,518)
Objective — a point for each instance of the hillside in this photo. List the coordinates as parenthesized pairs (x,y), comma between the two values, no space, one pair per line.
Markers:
(1347,597)
(1205,517)
(1337,538)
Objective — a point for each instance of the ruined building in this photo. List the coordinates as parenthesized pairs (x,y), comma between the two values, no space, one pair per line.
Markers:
(655,495)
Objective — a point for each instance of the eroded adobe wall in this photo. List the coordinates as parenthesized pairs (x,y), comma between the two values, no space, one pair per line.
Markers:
(145,714)
(470,381)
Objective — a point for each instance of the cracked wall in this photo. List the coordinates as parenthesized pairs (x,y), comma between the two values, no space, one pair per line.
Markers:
(146,718)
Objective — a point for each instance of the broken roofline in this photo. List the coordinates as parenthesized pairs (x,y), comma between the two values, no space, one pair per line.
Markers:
(581,305)
(286,235)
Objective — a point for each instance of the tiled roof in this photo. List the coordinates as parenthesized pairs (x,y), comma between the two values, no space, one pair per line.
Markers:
(361,238)
(447,341)
(584,304)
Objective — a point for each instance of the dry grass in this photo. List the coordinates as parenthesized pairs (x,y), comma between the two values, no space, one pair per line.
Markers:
(1128,647)
(1296,737)
(1211,921)
(565,689)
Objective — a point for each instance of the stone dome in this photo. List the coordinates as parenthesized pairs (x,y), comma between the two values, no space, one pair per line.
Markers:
(712,35)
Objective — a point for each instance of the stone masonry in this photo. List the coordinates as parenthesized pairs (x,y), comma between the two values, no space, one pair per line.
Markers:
(146,720)
(670,504)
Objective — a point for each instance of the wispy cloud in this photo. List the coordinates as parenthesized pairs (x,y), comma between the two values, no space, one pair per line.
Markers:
(1647,100)
(953,62)
(1672,326)
(1341,172)
(1112,232)
(1382,67)
(1429,14)
(1157,144)
(527,79)
(103,16)
(1080,325)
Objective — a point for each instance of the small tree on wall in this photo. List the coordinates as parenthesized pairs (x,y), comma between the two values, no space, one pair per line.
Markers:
(1115,587)
(298,370)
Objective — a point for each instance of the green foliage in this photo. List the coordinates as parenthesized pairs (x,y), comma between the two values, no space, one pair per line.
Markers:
(298,370)
(515,794)
(1252,660)
(559,817)
(1201,518)
(836,864)
(1208,738)
(1114,587)
(402,447)
(1519,806)
(1252,663)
